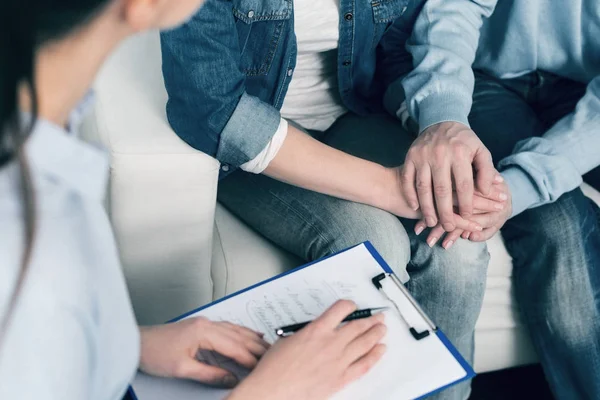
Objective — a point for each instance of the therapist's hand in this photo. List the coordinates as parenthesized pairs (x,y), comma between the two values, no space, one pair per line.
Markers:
(170,350)
(442,160)
(317,361)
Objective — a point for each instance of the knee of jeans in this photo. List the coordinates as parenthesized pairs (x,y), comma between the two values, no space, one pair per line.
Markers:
(462,270)
(387,235)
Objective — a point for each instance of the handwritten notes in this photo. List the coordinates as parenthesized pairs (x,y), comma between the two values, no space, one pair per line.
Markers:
(408,370)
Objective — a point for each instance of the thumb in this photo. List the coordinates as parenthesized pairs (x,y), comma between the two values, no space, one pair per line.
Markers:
(486,173)
(208,374)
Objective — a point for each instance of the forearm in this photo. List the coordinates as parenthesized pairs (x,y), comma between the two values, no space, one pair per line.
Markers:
(305,162)
(543,169)
(443,46)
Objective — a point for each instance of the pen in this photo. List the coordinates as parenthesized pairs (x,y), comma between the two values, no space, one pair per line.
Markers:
(358,314)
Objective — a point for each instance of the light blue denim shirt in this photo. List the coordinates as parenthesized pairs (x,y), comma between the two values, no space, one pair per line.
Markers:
(521,36)
(73,334)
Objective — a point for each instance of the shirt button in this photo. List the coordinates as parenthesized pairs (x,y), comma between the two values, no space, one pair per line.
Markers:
(225,168)
(348,16)
(290,72)
(346,63)
(250,13)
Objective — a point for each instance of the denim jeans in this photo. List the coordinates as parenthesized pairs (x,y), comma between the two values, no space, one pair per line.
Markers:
(556,247)
(448,284)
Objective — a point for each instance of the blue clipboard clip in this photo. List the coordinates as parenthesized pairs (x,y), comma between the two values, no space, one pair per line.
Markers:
(413,331)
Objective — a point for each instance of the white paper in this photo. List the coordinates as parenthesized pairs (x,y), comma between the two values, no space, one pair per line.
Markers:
(408,370)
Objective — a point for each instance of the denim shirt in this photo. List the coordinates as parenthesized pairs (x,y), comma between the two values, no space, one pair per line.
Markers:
(228,69)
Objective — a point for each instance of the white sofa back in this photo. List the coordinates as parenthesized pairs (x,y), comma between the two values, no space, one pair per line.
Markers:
(162,192)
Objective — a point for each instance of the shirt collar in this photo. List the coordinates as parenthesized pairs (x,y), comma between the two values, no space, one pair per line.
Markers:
(54,151)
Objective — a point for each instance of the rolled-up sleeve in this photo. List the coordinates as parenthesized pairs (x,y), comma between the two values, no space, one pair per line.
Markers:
(208,106)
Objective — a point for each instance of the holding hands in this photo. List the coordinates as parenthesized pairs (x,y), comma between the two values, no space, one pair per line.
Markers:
(448,169)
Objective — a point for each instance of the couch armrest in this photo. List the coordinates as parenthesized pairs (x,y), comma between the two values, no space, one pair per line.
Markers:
(162,192)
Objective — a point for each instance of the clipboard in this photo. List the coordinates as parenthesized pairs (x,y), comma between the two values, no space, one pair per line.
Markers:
(381,279)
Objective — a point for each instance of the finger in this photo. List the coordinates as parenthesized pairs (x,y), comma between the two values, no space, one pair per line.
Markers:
(486,173)
(463,181)
(425,194)
(233,347)
(473,224)
(364,364)
(354,329)
(436,233)
(249,333)
(482,204)
(253,346)
(207,374)
(333,317)
(420,227)
(465,235)
(485,235)
(451,238)
(408,185)
(362,344)
(442,189)
(497,193)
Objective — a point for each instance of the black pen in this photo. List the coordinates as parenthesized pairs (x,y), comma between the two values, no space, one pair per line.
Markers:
(358,314)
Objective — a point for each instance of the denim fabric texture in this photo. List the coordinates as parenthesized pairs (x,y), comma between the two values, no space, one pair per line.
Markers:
(228,69)
(449,284)
(555,247)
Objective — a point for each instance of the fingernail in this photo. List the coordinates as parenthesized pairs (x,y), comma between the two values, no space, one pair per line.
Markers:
(449,244)
(468,236)
(431,242)
(479,228)
(499,179)
(419,229)
(503,196)
(499,206)
(229,381)
(414,206)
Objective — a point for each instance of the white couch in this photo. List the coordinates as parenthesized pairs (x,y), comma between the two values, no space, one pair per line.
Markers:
(180,249)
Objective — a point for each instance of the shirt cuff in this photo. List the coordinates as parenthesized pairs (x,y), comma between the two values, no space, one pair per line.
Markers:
(522,188)
(248,131)
(443,107)
(259,163)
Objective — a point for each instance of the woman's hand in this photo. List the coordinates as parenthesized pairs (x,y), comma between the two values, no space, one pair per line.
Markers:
(317,361)
(170,350)
(490,212)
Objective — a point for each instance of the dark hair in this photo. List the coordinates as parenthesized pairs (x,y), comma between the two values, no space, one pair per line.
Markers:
(26,25)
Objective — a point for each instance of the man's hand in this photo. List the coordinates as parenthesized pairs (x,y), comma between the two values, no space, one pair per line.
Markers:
(445,153)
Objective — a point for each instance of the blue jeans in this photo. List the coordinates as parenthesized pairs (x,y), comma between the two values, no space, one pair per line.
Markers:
(448,284)
(556,247)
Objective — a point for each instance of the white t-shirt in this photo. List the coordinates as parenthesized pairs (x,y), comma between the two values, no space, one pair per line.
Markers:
(73,334)
(313,100)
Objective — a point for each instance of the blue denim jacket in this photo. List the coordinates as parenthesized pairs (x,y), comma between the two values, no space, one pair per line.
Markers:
(228,69)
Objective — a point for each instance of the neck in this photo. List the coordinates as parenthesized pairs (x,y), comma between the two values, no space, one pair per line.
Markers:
(66,69)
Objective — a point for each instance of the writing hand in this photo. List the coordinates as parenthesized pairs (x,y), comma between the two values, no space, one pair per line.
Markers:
(444,153)
(170,350)
(317,361)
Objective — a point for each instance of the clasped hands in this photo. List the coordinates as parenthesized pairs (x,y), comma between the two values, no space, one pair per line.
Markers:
(448,182)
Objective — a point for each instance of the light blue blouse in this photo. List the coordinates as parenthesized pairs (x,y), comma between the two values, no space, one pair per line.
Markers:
(73,334)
